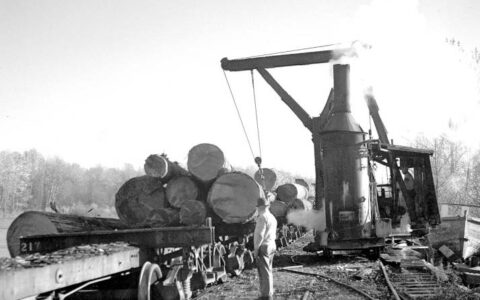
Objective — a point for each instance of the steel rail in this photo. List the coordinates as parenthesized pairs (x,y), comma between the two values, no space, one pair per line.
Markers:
(389,283)
(331,279)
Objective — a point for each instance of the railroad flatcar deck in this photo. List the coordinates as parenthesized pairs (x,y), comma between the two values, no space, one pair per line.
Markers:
(151,237)
(30,275)
(71,261)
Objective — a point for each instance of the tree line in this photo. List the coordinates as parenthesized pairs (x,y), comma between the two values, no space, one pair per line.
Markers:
(28,180)
(456,170)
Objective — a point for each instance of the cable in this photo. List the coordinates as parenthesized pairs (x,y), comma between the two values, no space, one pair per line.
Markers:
(290,51)
(256,114)
(238,113)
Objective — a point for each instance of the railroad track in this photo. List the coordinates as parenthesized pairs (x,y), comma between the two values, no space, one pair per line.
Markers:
(413,282)
(306,295)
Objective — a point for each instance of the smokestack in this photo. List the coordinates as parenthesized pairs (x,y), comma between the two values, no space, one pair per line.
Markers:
(340,118)
(341,88)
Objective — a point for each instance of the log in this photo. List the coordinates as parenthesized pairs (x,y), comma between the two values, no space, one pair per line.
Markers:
(181,189)
(137,197)
(300,204)
(206,162)
(233,197)
(288,192)
(302,181)
(161,167)
(193,212)
(163,217)
(270,178)
(39,222)
(279,209)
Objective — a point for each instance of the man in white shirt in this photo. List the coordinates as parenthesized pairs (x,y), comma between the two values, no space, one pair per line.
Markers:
(264,247)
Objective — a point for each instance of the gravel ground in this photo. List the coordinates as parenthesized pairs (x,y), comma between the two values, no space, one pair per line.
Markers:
(295,286)
(353,270)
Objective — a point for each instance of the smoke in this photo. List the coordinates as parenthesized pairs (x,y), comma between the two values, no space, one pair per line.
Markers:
(311,219)
(423,84)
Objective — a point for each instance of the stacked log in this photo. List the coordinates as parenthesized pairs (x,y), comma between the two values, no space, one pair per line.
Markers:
(302,181)
(163,217)
(278,209)
(193,212)
(206,162)
(288,192)
(160,166)
(37,222)
(300,204)
(181,189)
(233,197)
(266,178)
(138,197)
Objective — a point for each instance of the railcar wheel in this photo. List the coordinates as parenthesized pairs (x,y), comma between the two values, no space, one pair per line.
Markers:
(149,277)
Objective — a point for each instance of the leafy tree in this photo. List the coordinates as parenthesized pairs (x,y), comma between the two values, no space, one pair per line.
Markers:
(29,181)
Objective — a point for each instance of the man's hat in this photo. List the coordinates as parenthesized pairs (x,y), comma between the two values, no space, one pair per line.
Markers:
(266,201)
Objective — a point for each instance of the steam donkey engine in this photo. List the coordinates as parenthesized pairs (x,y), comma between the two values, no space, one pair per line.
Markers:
(359,209)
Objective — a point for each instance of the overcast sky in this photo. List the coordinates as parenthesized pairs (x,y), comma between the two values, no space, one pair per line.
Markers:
(109,82)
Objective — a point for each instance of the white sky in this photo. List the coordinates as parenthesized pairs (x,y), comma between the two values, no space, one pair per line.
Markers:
(109,82)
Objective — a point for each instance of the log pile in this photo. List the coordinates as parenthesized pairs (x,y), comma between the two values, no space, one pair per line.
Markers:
(288,192)
(170,195)
(291,197)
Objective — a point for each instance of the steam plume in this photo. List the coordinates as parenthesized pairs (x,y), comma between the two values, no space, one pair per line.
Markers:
(312,219)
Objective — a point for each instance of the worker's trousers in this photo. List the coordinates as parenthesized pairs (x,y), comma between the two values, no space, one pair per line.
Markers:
(264,266)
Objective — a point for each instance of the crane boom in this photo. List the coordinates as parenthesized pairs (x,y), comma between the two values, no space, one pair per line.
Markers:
(275,61)
(373,108)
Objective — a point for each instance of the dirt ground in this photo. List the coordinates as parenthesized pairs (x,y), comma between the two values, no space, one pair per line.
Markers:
(295,286)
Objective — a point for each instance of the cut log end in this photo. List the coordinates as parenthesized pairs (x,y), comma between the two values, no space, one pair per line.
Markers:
(290,191)
(269,178)
(138,197)
(279,209)
(233,197)
(28,223)
(181,189)
(300,204)
(302,182)
(193,212)
(156,166)
(160,166)
(163,217)
(206,162)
